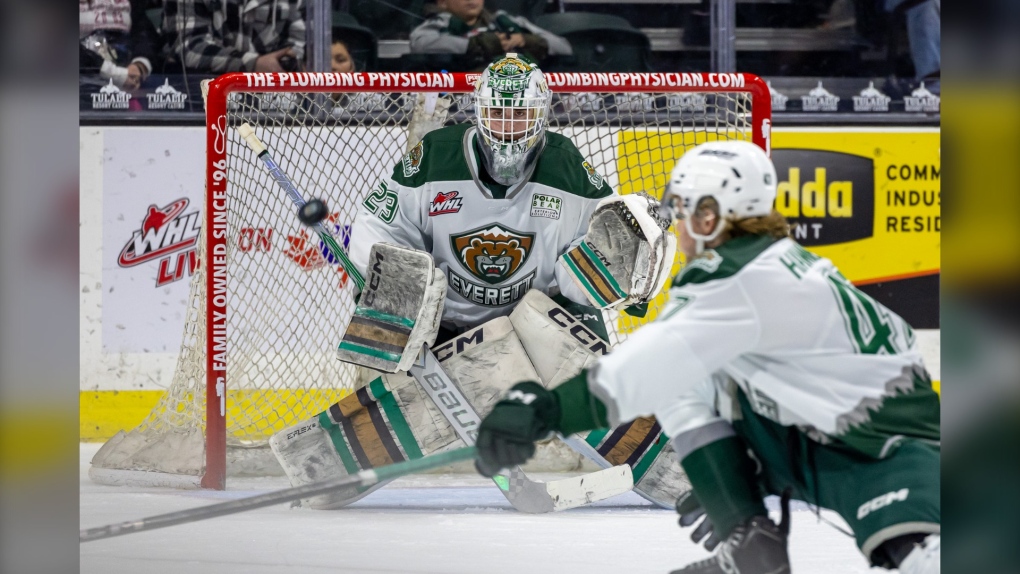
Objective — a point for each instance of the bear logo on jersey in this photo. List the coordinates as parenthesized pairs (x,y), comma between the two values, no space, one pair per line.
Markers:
(493,253)
(412,161)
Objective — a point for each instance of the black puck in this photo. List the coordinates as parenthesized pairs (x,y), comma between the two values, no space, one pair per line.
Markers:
(312,212)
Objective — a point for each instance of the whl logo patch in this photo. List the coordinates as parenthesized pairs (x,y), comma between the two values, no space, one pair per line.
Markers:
(165,231)
(494,253)
(448,202)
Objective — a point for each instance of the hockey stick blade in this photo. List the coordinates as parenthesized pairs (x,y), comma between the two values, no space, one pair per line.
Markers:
(589,452)
(362,480)
(534,497)
(524,494)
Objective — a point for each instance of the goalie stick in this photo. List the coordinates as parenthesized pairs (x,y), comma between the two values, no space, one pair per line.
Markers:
(357,482)
(524,494)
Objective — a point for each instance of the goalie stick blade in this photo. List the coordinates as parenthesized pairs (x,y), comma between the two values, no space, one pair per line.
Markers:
(535,497)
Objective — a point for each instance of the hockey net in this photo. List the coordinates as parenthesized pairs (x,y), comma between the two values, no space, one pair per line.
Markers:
(269,303)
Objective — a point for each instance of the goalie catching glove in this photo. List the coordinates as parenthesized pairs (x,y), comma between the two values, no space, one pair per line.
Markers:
(627,254)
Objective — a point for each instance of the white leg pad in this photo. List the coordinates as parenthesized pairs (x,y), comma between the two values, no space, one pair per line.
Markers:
(307,455)
(558,344)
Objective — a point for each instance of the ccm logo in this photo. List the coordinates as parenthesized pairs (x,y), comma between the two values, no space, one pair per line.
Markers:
(882,501)
(578,331)
(374,279)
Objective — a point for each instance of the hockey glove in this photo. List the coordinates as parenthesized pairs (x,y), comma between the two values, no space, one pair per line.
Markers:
(690,511)
(507,436)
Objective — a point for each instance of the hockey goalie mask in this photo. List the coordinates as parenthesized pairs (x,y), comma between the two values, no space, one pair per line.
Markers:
(737,174)
(512,108)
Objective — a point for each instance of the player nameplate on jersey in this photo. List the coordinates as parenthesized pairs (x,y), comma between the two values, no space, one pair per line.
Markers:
(543,205)
(492,254)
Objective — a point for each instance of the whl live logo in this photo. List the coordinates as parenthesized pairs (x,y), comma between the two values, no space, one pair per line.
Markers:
(169,236)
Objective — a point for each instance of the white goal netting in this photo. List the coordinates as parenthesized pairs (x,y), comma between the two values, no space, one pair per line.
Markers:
(287,301)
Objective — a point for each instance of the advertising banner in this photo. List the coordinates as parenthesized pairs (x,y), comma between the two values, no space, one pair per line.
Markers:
(153,184)
(871,202)
(868,199)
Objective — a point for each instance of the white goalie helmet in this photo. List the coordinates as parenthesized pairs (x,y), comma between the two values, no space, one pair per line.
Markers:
(736,174)
(512,109)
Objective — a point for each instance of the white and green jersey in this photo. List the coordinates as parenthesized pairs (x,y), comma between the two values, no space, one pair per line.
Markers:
(805,346)
(493,244)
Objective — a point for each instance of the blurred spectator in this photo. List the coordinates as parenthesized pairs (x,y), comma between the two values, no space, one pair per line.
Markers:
(116,41)
(341,60)
(466,27)
(217,36)
(924,30)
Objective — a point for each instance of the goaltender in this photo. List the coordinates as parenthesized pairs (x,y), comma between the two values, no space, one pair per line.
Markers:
(498,245)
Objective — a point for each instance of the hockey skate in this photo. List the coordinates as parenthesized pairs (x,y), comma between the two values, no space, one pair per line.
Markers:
(758,546)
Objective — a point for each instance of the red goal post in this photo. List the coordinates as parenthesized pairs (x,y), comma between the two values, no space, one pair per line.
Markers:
(267,305)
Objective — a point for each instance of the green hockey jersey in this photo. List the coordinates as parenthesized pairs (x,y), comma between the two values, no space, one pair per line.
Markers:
(804,345)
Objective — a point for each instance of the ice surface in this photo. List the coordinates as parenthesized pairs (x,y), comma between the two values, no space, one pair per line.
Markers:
(426,524)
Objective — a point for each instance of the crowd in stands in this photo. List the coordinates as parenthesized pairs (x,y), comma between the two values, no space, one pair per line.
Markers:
(125,42)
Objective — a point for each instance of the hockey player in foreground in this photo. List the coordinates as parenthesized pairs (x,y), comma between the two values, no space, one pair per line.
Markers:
(484,243)
(772,373)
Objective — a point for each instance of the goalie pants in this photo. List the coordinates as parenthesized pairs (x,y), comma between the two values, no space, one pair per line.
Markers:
(879,498)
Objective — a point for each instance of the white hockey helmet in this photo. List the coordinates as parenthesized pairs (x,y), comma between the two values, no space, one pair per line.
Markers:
(511,109)
(736,174)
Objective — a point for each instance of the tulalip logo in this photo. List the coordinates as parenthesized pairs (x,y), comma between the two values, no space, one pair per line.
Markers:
(166,97)
(110,97)
(779,100)
(448,202)
(167,235)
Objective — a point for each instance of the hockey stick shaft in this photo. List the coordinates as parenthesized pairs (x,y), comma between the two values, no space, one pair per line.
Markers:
(276,172)
(523,493)
(362,479)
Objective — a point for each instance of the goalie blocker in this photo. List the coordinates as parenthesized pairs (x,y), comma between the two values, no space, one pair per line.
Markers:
(627,254)
(392,419)
(399,310)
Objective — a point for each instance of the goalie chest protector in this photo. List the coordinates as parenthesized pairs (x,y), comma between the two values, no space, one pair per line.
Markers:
(492,249)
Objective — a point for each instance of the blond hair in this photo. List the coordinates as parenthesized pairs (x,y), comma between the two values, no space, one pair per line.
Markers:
(773,225)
